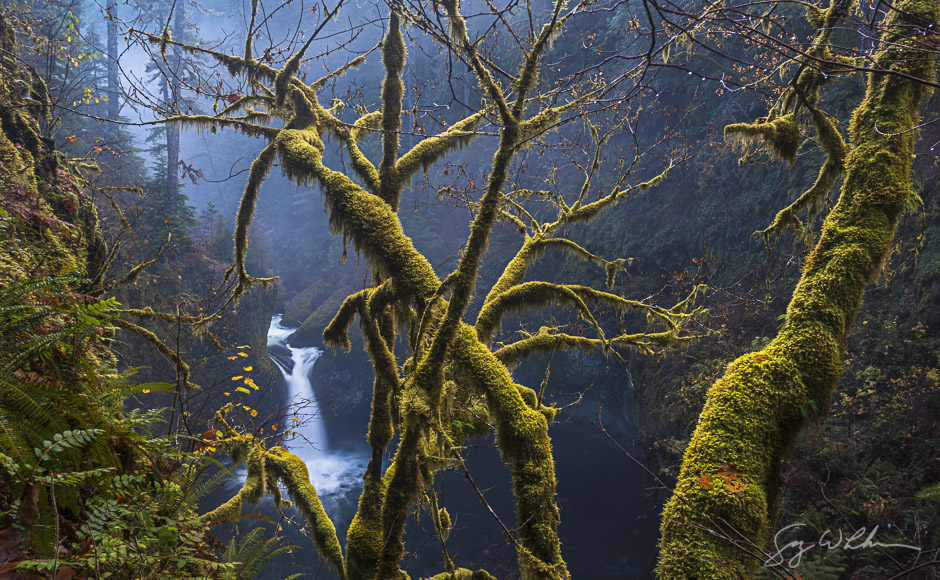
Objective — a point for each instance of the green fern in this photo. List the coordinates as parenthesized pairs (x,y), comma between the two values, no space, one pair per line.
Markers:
(930,493)
(249,552)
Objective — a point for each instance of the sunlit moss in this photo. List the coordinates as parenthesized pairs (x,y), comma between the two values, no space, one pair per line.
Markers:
(364,538)
(432,149)
(292,472)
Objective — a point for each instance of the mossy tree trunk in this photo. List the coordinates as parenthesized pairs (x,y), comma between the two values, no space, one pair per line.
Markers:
(755,411)
(448,362)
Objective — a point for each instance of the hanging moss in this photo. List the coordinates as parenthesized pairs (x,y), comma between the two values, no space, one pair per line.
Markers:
(354,63)
(265,465)
(811,201)
(367,220)
(528,296)
(522,438)
(755,411)
(780,136)
(431,149)
(336,333)
(246,210)
(393,58)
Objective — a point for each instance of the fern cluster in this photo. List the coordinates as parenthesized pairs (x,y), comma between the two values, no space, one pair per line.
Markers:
(89,485)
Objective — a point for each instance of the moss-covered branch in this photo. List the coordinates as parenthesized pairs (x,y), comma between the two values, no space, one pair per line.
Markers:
(393,90)
(265,467)
(529,296)
(292,472)
(522,438)
(780,135)
(181,366)
(365,218)
(431,149)
(754,412)
(246,210)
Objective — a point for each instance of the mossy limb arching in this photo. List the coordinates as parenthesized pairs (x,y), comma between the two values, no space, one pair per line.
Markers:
(265,468)
(452,386)
(755,411)
(522,438)
(780,136)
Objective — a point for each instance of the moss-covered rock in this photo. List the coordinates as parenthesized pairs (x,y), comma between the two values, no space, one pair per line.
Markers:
(48,224)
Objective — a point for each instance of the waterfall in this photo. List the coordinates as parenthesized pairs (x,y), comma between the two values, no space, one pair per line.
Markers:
(311,434)
(332,471)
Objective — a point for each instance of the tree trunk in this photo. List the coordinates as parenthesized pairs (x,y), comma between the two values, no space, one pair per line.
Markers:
(724,505)
(114,87)
(173,129)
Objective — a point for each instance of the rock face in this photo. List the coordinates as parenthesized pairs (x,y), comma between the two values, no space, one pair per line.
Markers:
(314,307)
(48,225)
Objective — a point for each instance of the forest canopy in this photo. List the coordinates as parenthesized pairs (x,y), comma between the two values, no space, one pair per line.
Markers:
(540,143)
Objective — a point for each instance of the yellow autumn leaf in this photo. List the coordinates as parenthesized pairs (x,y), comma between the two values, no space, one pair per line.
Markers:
(238,378)
(249,369)
(243,354)
(233,357)
(294,419)
(274,427)
(146,390)
(228,394)
(243,390)
(254,413)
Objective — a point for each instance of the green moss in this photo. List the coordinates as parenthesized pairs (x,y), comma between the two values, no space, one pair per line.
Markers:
(404,486)
(432,149)
(252,490)
(292,472)
(364,538)
(754,412)
(246,210)
(522,438)
(181,367)
(780,136)
(367,220)
(336,333)
(393,57)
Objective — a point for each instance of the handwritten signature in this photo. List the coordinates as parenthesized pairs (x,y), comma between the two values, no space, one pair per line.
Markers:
(827,541)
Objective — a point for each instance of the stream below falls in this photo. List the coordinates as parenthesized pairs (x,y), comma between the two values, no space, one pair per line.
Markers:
(609,514)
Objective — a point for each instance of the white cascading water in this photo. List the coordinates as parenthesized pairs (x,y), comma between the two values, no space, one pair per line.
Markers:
(311,433)
(331,471)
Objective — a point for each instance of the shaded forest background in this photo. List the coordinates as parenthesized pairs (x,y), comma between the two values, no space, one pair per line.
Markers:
(863,463)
